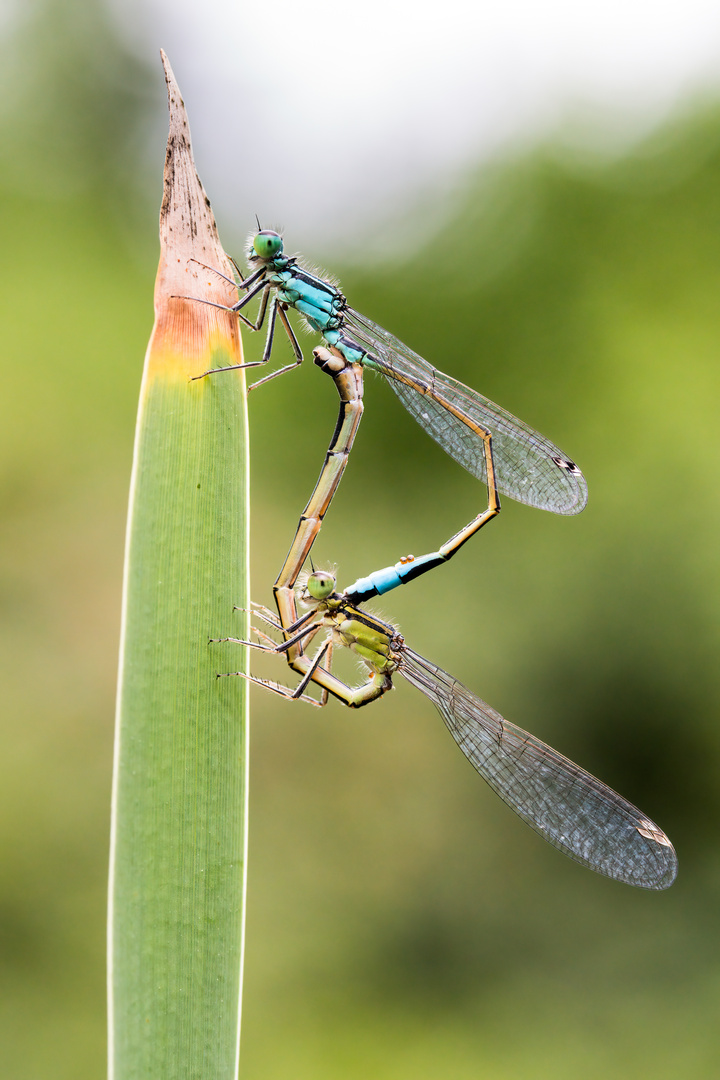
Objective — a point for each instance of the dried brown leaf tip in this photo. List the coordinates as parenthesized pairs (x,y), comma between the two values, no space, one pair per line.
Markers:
(189,336)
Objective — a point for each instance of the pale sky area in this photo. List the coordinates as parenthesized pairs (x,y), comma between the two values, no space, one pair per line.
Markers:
(335,119)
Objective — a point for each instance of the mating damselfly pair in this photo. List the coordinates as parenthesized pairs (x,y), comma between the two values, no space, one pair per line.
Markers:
(572,809)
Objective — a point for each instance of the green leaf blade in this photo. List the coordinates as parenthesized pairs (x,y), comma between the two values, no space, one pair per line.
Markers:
(178,862)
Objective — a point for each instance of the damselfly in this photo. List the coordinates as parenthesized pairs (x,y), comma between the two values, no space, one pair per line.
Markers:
(502,451)
(569,807)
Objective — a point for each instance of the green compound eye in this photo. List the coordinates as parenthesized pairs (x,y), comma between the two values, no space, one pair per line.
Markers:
(320,585)
(268,244)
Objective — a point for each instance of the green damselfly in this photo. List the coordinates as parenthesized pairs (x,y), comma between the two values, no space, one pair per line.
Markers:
(567,806)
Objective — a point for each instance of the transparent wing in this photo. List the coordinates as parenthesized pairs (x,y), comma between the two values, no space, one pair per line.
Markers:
(571,809)
(529,467)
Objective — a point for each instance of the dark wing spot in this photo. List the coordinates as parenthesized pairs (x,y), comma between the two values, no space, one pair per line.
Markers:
(564,463)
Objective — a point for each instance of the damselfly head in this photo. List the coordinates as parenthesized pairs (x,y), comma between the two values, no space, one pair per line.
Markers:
(312,589)
(267,244)
(321,584)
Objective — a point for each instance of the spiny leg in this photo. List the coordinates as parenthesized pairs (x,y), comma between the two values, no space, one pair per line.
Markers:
(276,306)
(263,613)
(271,619)
(310,622)
(271,645)
(279,309)
(303,639)
(307,632)
(239,282)
(275,309)
(277,688)
(236,309)
(324,653)
(317,670)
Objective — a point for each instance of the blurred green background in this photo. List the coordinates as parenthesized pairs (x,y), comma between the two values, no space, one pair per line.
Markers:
(402,922)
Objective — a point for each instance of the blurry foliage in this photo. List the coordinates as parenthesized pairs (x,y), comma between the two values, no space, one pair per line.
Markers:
(402,922)
(74,103)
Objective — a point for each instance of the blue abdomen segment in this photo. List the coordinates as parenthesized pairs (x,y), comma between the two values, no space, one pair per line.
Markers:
(311,298)
(382,581)
(349,349)
(318,319)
